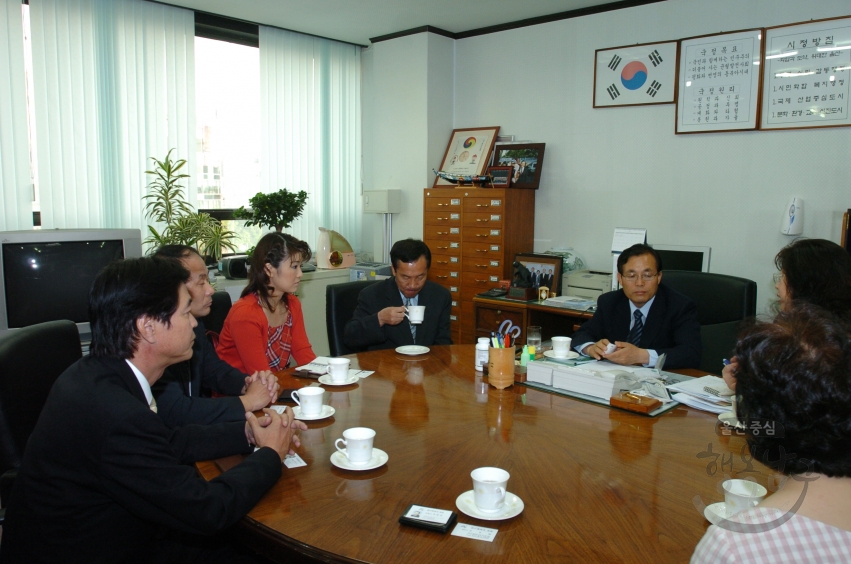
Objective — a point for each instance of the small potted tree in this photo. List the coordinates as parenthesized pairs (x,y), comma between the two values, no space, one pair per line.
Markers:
(278,209)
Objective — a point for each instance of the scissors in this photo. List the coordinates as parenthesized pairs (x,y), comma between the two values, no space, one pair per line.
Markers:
(508,328)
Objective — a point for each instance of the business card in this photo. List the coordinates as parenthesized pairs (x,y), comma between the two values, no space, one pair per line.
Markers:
(294,461)
(430,514)
(473,532)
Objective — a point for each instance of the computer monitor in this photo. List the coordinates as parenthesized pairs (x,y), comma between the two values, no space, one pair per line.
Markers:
(46,275)
(682,257)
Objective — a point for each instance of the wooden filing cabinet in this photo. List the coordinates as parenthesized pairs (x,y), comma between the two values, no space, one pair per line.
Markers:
(473,234)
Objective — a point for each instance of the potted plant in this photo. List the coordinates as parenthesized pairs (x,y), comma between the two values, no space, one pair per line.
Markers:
(278,209)
(167,204)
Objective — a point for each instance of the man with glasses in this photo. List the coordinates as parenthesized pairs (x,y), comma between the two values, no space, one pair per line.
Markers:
(644,319)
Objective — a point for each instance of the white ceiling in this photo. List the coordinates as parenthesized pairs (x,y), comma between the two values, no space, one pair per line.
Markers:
(356,21)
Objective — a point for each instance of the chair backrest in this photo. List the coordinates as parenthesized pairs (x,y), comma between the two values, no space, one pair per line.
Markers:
(722,303)
(340,303)
(31,359)
(215,320)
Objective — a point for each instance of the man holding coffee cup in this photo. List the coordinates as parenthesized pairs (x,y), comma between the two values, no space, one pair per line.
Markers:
(405,309)
(644,319)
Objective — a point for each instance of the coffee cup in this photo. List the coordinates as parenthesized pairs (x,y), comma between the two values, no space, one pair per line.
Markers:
(415,314)
(489,488)
(338,369)
(740,495)
(561,346)
(309,400)
(358,443)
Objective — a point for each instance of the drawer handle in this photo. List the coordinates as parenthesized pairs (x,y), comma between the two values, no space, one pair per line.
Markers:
(483,220)
(442,218)
(482,205)
(439,205)
(444,276)
(482,265)
(481,250)
(477,235)
(443,232)
(477,280)
(443,262)
(443,247)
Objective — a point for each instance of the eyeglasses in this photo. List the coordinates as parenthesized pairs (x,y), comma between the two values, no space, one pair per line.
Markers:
(778,276)
(633,276)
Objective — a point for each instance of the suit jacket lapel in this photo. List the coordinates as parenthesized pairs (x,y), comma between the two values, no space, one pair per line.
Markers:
(621,319)
(655,319)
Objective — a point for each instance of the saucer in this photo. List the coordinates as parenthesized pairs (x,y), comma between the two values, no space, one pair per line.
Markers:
(512,508)
(730,420)
(379,458)
(716,512)
(570,354)
(326,379)
(412,350)
(327,411)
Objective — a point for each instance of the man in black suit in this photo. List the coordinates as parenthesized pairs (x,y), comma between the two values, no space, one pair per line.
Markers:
(103,479)
(179,391)
(644,319)
(379,321)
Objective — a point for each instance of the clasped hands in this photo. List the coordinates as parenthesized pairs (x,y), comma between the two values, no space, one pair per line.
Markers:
(274,430)
(624,353)
(261,389)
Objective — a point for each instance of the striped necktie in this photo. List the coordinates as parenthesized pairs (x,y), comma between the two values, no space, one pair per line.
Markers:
(153,405)
(413,327)
(635,333)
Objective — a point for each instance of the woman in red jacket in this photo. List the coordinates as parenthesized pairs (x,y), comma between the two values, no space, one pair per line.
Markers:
(265,327)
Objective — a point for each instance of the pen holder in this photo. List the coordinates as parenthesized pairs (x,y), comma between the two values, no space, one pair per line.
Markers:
(501,367)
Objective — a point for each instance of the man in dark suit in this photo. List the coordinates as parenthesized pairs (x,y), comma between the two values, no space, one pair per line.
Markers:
(643,320)
(103,479)
(179,391)
(379,321)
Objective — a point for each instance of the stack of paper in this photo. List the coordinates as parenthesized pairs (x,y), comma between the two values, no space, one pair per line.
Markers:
(571,302)
(595,383)
(694,394)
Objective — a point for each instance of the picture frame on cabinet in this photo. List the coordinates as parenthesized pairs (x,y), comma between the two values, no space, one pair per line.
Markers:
(544,269)
(500,176)
(526,161)
(467,152)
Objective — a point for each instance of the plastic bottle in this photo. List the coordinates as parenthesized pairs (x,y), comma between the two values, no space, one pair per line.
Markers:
(482,353)
(531,353)
(524,356)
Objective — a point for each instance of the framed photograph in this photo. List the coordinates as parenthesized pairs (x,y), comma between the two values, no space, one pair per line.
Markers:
(501,176)
(544,270)
(807,75)
(635,75)
(719,81)
(467,152)
(525,160)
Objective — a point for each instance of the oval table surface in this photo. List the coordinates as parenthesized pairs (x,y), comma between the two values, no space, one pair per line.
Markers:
(599,484)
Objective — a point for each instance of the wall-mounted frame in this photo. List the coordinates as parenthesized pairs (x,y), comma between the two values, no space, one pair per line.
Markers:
(635,75)
(526,161)
(718,83)
(467,152)
(500,176)
(807,75)
(548,268)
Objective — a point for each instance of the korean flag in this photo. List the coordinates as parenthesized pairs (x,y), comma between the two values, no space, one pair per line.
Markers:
(643,74)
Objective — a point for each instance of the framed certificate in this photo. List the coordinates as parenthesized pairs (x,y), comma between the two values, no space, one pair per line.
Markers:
(467,153)
(635,75)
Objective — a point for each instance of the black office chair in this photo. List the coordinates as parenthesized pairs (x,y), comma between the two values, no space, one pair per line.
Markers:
(341,300)
(215,320)
(722,303)
(31,359)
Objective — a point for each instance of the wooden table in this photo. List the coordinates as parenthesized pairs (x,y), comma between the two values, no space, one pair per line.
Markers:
(599,484)
(489,313)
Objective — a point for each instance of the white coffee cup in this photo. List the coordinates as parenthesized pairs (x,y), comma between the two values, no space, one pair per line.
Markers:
(740,495)
(358,441)
(338,369)
(489,488)
(309,400)
(415,314)
(561,346)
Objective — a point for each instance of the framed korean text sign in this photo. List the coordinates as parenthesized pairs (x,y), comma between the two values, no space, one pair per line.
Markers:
(806,76)
(718,83)
(635,75)
(467,153)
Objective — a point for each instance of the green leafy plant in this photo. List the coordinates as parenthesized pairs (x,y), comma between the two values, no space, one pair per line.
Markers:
(166,203)
(278,209)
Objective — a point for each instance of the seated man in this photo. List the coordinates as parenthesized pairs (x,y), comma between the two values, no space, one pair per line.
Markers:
(103,479)
(178,392)
(379,321)
(644,319)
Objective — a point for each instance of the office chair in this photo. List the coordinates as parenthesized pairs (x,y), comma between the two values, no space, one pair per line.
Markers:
(340,303)
(722,303)
(31,359)
(215,320)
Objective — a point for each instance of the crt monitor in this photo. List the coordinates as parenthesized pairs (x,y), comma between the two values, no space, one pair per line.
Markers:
(682,257)
(46,275)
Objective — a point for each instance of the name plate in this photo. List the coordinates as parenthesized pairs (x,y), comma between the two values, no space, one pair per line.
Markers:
(496,217)
(453,289)
(454,303)
(453,275)
(495,263)
(495,248)
(454,216)
(496,203)
(454,230)
(455,202)
(495,232)
(494,278)
(454,245)
(453,318)
(453,259)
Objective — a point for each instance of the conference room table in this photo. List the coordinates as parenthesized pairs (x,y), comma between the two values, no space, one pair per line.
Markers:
(598,484)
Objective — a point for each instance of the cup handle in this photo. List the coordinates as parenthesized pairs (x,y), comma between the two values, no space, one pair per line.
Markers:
(337,446)
(294,397)
(500,491)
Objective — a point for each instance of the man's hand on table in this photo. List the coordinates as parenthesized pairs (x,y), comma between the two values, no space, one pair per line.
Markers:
(261,389)
(391,316)
(274,431)
(625,353)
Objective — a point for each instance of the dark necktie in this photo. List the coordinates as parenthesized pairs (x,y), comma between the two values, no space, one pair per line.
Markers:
(413,327)
(635,333)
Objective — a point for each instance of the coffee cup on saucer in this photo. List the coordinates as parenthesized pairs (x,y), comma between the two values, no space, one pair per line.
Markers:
(740,495)
(415,314)
(309,400)
(561,346)
(358,443)
(489,488)
(338,369)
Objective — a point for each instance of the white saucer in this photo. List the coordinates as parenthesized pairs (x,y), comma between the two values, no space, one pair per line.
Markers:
(379,458)
(412,350)
(570,354)
(327,411)
(730,420)
(716,512)
(512,508)
(329,382)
